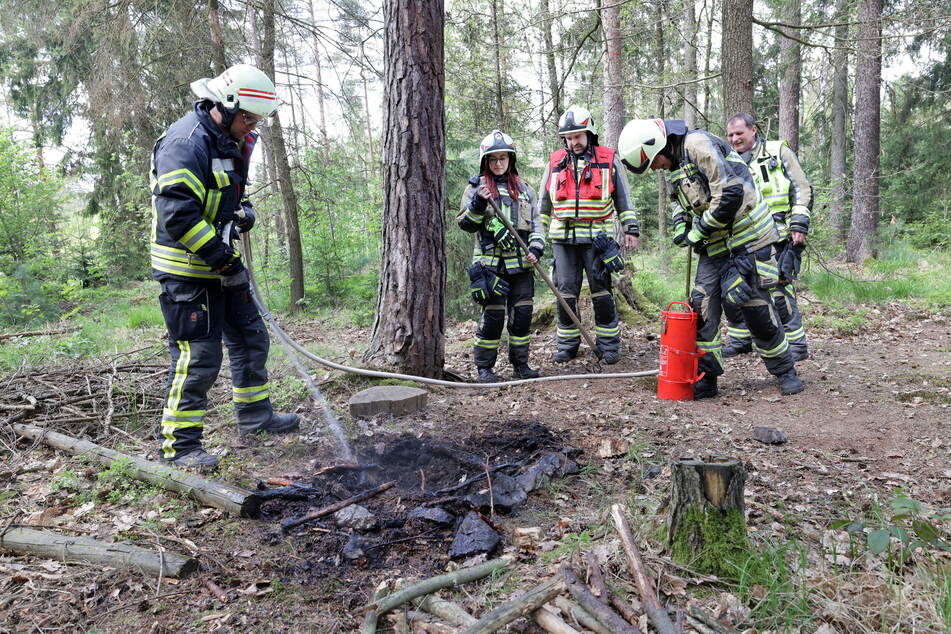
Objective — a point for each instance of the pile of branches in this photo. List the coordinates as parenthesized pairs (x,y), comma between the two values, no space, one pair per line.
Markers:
(102,399)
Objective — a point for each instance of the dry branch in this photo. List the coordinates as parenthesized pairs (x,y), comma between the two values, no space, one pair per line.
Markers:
(89,550)
(336,506)
(655,611)
(600,611)
(523,605)
(232,499)
(36,333)
(551,622)
(446,610)
(581,616)
(606,596)
(369,621)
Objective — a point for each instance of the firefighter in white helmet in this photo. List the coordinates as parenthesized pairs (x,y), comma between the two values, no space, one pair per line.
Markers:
(719,212)
(500,275)
(199,181)
(582,189)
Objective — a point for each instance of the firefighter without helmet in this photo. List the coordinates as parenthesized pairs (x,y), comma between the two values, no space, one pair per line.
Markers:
(576,119)
(497,141)
(241,87)
(640,141)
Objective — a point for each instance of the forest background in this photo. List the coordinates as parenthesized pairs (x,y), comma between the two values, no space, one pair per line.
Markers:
(88,86)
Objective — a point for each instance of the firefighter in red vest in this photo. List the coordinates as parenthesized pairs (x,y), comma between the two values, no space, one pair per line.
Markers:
(583,187)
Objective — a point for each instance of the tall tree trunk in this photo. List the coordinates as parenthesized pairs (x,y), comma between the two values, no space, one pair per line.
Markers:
(552,70)
(612,72)
(840,113)
(218,59)
(409,319)
(790,60)
(319,77)
(660,54)
(707,57)
(689,91)
(499,81)
(275,137)
(366,111)
(868,82)
(736,58)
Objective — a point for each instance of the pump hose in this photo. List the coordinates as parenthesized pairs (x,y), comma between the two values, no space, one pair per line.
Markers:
(288,343)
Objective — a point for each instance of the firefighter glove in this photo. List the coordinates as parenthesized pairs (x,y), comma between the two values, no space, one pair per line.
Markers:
(497,286)
(234,275)
(477,286)
(694,238)
(478,203)
(245,223)
(789,262)
(609,252)
(536,251)
(501,235)
(680,233)
(735,289)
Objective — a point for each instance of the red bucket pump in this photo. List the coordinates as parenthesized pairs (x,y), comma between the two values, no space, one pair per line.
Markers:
(678,354)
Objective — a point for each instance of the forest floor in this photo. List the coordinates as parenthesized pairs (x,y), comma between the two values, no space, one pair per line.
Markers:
(875,418)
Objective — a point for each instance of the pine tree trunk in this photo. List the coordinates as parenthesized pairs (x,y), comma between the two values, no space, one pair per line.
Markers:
(868,80)
(840,114)
(218,59)
(275,137)
(319,78)
(409,319)
(612,72)
(790,61)
(550,62)
(736,59)
(660,54)
(706,526)
(689,91)
(707,57)
(499,80)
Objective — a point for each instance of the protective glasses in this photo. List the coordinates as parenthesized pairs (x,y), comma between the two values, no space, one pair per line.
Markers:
(250,120)
(499,159)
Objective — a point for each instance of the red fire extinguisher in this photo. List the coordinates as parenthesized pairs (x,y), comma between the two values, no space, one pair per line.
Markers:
(678,349)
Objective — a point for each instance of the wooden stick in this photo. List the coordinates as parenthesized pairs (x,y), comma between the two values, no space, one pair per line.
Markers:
(597,580)
(369,621)
(581,616)
(698,614)
(551,622)
(333,508)
(448,580)
(447,610)
(655,611)
(37,333)
(216,590)
(523,605)
(89,550)
(601,611)
(232,499)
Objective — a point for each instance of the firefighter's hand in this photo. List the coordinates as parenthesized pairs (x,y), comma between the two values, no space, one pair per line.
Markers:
(630,241)
(694,238)
(245,217)
(798,237)
(483,191)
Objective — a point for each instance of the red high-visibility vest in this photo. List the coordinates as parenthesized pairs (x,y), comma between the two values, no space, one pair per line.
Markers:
(592,200)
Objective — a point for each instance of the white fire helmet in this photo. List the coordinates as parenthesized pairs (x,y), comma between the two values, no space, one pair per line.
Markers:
(241,87)
(496,141)
(640,141)
(575,119)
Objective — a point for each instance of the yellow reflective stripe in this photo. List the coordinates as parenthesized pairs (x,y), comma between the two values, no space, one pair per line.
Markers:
(181,176)
(181,373)
(212,203)
(605,183)
(182,271)
(197,236)
(251,394)
(569,333)
(772,352)
(519,341)
(489,344)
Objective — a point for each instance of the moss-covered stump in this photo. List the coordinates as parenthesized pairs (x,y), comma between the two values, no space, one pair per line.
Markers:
(706,527)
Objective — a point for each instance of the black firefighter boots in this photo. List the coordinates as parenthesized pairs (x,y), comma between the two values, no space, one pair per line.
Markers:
(789,383)
(486,375)
(197,459)
(277,424)
(736,348)
(610,357)
(524,371)
(564,356)
(705,387)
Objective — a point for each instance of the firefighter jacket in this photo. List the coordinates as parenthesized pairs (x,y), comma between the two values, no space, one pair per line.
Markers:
(580,193)
(783,182)
(712,187)
(521,212)
(197,180)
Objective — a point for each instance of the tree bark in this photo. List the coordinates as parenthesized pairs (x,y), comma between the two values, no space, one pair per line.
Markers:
(736,58)
(319,77)
(234,500)
(790,61)
(550,62)
(840,114)
(88,550)
(275,136)
(409,318)
(499,80)
(613,73)
(689,91)
(868,79)
(218,59)
(706,526)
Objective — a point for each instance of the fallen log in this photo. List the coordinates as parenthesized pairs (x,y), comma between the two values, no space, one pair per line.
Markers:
(655,611)
(551,622)
(89,550)
(581,616)
(290,523)
(523,605)
(446,610)
(232,499)
(37,333)
(600,611)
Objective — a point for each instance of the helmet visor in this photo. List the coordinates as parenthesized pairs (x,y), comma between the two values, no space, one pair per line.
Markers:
(637,170)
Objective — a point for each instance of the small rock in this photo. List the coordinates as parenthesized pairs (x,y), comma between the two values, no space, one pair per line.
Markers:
(353,549)
(472,537)
(550,465)
(652,471)
(613,447)
(507,493)
(769,435)
(433,515)
(356,517)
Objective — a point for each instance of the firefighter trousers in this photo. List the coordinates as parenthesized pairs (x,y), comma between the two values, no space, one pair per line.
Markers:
(198,316)
(758,312)
(570,262)
(518,309)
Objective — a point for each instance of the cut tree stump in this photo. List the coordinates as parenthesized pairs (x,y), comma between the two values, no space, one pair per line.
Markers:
(88,550)
(706,527)
(232,499)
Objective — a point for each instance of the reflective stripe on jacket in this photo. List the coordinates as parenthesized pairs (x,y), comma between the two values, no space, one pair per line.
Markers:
(197,179)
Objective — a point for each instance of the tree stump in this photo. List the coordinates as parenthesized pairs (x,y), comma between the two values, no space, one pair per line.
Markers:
(706,527)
